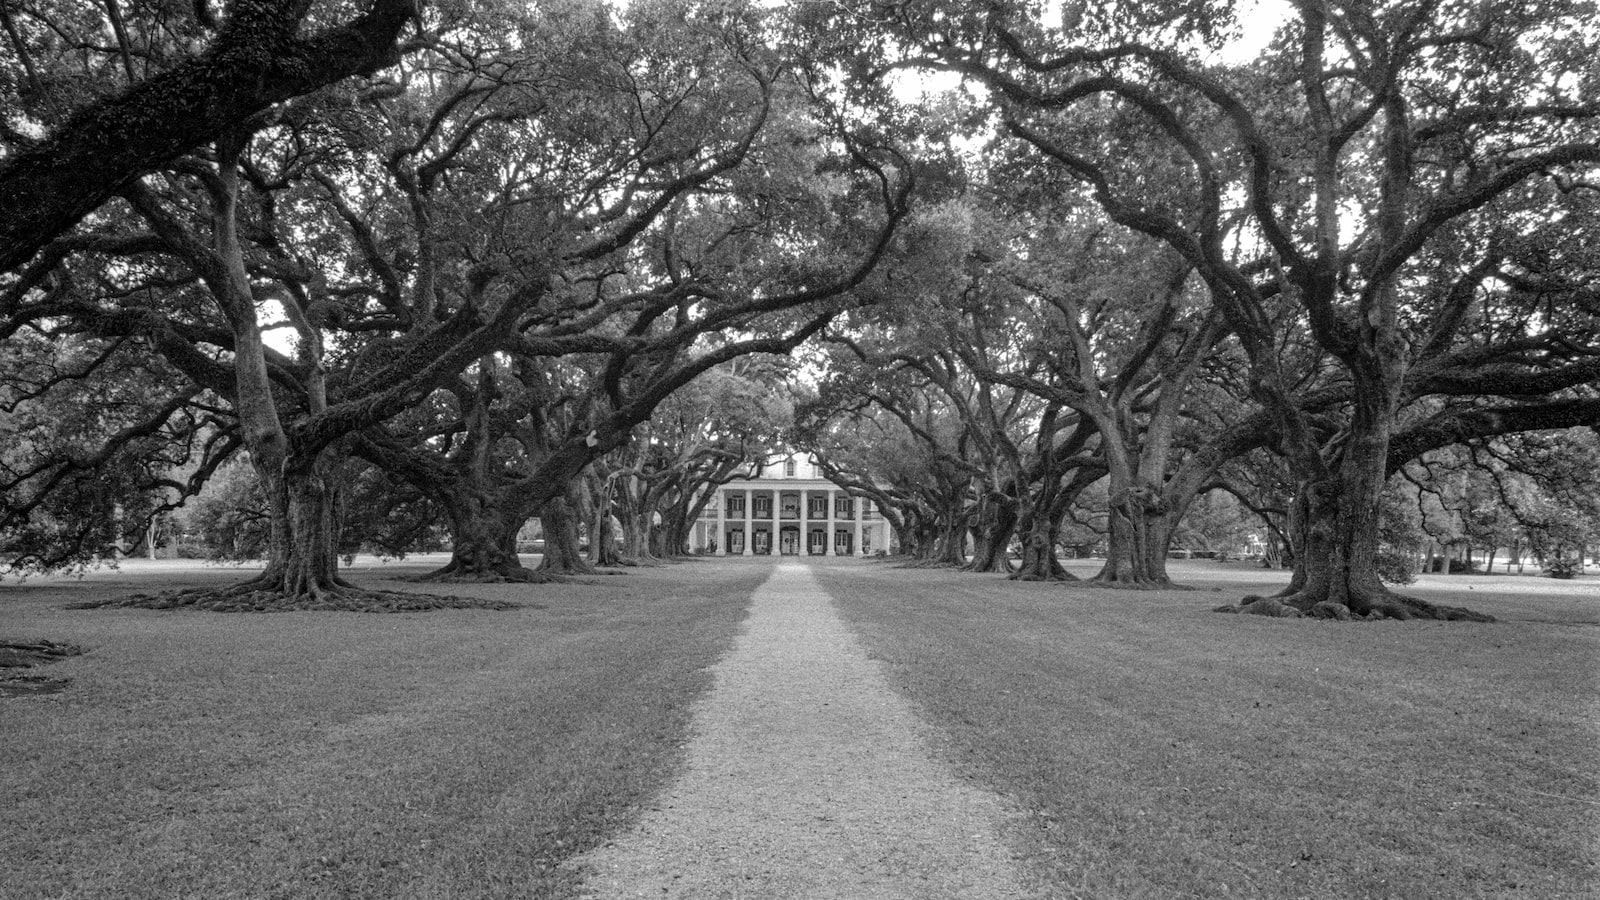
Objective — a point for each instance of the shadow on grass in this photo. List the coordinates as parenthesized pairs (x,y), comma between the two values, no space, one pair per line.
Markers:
(20,659)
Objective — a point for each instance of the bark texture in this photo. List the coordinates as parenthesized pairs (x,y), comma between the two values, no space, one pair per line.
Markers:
(992,533)
(1039,561)
(562,554)
(1141,531)
(483,541)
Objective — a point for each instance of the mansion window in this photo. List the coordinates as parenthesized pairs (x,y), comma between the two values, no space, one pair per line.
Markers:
(791,505)
(764,506)
(736,505)
(788,468)
(818,508)
(841,508)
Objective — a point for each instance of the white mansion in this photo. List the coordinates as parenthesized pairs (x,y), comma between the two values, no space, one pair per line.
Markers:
(791,509)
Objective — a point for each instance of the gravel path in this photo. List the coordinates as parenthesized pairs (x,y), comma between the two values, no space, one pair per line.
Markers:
(809,778)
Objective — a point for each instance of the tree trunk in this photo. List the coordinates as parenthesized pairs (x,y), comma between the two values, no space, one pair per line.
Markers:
(302,559)
(1337,562)
(1040,523)
(919,538)
(950,547)
(1141,532)
(675,534)
(483,540)
(633,502)
(1272,553)
(561,554)
(900,539)
(302,563)
(604,541)
(636,544)
(484,516)
(1039,562)
(997,523)
(665,541)
(312,568)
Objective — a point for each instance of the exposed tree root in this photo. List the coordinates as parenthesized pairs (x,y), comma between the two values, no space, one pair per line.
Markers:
(1270,607)
(1135,584)
(1061,577)
(1365,605)
(18,660)
(452,574)
(22,683)
(23,654)
(1042,567)
(250,597)
(1400,606)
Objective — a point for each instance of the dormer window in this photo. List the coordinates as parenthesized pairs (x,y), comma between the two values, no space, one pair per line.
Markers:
(788,468)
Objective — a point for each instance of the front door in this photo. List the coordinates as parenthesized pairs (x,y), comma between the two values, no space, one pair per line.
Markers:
(789,542)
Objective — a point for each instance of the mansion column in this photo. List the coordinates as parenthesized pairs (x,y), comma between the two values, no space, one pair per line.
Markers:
(832,549)
(859,506)
(721,500)
(805,528)
(749,510)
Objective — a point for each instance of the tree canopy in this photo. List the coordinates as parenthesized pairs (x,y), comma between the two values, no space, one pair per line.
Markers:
(478,264)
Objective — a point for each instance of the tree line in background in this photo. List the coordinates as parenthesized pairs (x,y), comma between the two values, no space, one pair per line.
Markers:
(378,279)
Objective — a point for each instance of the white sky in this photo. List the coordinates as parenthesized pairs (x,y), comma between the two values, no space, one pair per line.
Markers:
(1258,19)
(276,333)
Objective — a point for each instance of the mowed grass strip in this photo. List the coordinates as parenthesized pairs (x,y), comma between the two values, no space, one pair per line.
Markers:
(1158,750)
(448,754)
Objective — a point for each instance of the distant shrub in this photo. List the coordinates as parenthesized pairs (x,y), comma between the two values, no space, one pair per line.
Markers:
(1565,567)
(1396,566)
(1462,567)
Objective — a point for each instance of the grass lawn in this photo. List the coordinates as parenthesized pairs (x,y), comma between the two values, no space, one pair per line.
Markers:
(1155,749)
(456,753)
